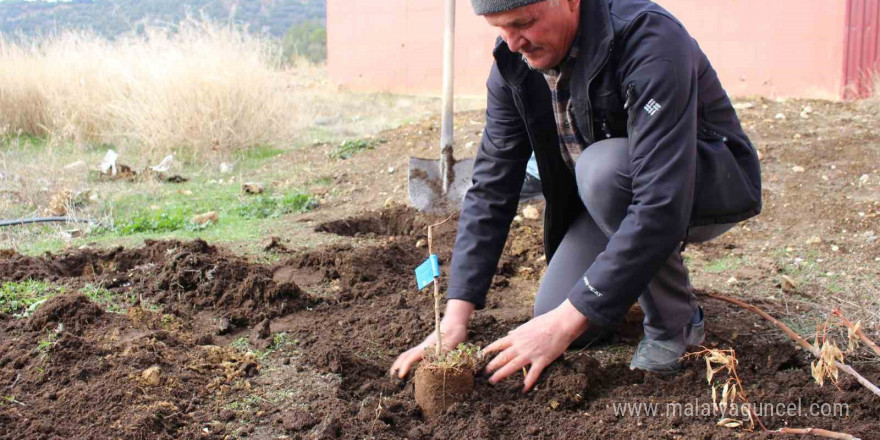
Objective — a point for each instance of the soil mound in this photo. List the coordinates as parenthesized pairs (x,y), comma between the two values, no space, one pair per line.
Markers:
(120,376)
(197,277)
(73,312)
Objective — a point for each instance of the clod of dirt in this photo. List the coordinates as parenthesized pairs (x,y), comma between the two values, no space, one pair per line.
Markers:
(438,387)
(328,429)
(273,243)
(531,212)
(298,419)
(260,335)
(152,376)
(253,187)
(75,312)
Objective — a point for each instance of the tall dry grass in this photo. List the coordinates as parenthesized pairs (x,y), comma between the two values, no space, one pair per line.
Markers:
(206,87)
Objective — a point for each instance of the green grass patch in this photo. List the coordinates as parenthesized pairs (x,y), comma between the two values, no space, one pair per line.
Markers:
(22,298)
(178,209)
(267,206)
(156,221)
(257,153)
(280,341)
(110,301)
(46,344)
(348,149)
(723,265)
(22,142)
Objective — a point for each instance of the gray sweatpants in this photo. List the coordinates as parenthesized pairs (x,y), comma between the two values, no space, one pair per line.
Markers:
(605,188)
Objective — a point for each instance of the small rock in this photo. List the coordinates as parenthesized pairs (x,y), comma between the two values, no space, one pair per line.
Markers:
(421,243)
(71,234)
(814,240)
(390,170)
(203,219)
(835,248)
(253,187)
(470,144)
(518,219)
(798,169)
(531,212)
(788,284)
(863,180)
(780,116)
(60,203)
(152,376)
(226,168)
(760,155)
(224,326)
(744,105)
(732,280)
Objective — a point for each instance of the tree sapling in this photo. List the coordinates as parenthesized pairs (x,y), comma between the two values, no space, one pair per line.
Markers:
(443,378)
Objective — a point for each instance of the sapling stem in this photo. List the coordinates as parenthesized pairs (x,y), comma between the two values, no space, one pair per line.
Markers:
(439,346)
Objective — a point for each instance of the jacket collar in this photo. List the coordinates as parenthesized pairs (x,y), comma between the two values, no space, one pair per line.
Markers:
(595,33)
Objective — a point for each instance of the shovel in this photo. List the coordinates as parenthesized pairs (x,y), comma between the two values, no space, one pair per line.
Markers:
(438,186)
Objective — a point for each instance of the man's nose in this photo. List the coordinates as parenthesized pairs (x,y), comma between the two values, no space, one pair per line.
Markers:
(514,40)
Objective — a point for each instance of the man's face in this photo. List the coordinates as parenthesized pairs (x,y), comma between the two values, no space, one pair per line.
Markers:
(542,32)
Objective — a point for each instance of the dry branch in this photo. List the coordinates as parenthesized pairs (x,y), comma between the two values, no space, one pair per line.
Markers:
(818,433)
(864,338)
(797,338)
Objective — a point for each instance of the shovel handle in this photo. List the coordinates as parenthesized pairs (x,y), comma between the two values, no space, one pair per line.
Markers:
(447,161)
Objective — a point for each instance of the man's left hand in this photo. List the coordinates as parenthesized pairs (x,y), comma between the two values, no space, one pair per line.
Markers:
(537,343)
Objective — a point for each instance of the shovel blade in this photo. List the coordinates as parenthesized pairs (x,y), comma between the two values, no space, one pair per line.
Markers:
(426,185)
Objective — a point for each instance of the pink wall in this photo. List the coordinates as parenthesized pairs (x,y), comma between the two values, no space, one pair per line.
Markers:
(774,48)
(770,47)
(397,45)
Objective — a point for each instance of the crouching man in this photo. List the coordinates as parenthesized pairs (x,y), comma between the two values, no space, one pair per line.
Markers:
(639,150)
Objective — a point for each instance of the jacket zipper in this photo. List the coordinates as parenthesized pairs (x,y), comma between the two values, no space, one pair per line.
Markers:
(590,84)
(548,214)
(605,128)
(630,96)
(630,101)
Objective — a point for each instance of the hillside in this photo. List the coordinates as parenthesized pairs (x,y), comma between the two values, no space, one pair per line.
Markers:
(114,17)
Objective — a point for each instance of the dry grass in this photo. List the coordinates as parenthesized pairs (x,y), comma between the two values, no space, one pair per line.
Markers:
(205,88)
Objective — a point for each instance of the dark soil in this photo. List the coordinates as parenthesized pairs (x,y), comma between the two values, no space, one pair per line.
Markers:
(167,368)
(79,372)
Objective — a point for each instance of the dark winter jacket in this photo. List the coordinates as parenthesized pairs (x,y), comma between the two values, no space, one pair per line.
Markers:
(639,75)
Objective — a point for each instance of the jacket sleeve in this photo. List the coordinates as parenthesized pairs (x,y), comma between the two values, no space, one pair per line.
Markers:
(658,73)
(490,204)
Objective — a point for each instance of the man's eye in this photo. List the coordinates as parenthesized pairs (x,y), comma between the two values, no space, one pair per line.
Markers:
(525,25)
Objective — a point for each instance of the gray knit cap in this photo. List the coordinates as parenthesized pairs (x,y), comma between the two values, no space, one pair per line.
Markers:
(483,7)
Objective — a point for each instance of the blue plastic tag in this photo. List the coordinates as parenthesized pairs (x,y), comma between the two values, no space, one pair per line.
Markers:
(427,271)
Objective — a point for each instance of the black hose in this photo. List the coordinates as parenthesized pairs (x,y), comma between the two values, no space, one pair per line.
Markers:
(27,221)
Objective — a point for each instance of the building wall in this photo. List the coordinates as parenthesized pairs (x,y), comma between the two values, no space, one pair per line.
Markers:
(774,48)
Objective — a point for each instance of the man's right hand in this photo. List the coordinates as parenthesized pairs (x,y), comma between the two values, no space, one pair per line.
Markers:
(453,326)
